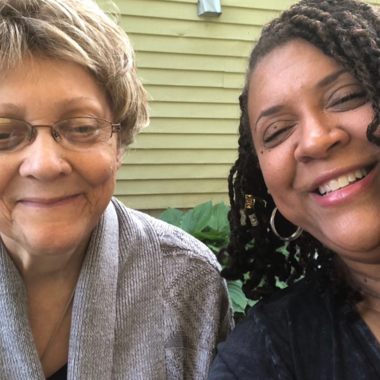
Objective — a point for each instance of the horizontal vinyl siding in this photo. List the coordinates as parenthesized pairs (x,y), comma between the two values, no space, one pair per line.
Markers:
(154,204)
(193,69)
(157,157)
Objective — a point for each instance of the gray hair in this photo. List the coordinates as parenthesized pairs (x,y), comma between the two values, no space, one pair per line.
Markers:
(77,31)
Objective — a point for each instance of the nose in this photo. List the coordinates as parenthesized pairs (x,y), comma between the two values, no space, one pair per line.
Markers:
(44,158)
(319,136)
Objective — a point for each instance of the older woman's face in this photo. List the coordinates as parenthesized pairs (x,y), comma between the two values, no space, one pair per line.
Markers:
(50,197)
(309,118)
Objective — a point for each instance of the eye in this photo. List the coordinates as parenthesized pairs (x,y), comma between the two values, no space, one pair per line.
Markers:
(78,128)
(348,98)
(81,129)
(278,132)
(5,136)
(12,134)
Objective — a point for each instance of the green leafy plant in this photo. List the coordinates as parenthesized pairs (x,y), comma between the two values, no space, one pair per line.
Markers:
(209,224)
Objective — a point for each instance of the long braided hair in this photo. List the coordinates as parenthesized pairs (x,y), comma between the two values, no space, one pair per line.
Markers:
(349,32)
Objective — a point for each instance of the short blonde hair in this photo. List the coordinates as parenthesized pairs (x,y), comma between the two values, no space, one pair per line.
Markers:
(77,31)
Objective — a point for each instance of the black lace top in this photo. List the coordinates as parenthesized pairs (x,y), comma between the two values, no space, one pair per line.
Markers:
(298,335)
(61,374)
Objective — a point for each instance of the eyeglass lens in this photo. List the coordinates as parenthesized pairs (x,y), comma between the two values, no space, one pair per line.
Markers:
(75,133)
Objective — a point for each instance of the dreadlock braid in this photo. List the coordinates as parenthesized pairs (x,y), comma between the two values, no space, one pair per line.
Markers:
(349,32)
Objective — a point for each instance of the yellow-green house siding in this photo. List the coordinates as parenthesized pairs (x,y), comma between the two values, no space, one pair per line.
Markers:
(193,69)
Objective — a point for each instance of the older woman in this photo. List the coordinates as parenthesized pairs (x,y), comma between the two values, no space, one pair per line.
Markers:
(309,160)
(87,286)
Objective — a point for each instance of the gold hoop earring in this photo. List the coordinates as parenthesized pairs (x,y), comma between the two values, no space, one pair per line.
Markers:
(292,237)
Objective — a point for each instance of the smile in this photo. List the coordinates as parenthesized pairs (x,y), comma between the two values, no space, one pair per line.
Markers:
(343,181)
(47,202)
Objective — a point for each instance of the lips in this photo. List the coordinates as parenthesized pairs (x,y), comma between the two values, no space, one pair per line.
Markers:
(46,201)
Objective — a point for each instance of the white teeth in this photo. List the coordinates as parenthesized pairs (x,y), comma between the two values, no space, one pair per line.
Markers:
(334,185)
(324,189)
(342,181)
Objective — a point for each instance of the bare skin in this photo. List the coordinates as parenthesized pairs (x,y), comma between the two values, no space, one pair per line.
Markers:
(369,308)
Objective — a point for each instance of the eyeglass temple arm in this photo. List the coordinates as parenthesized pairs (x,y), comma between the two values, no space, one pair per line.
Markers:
(116,128)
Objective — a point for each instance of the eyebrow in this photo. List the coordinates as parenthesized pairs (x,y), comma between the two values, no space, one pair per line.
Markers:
(60,103)
(331,78)
(268,112)
(69,101)
(11,107)
(63,103)
(324,82)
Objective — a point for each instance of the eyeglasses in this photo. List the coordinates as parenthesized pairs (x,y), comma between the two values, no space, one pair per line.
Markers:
(76,133)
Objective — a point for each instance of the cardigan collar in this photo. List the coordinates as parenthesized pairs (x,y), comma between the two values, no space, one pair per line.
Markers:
(93,317)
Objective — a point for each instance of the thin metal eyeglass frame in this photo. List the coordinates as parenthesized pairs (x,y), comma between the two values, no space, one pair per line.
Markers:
(54,133)
(114,127)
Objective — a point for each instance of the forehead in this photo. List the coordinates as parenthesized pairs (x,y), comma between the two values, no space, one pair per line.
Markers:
(286,71)
(40,87)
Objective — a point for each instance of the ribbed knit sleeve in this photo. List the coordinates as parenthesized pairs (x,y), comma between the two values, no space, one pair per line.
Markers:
(196,305)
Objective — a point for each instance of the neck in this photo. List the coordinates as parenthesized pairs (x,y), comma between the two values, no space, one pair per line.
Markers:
(367,283)
(366,278)
(35,268)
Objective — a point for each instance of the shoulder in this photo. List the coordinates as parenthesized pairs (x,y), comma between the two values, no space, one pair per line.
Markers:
(277,331)
(192,295)
(173,243)
(176,279)
(295,302)
(287,311)
(290,313)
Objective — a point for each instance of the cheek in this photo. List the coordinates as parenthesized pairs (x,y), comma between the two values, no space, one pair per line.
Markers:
(272,164)
(8,177)
(277,172)
(100,169)
(363,117)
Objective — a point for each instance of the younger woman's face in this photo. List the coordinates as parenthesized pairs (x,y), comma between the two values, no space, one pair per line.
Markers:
(309,117)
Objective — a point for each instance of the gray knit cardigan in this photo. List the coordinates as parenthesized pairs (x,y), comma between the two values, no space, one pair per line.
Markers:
(149,304)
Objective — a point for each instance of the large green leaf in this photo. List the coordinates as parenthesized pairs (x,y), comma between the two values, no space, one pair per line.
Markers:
(196,219)
(219,218)
(172,216)
(238,299)
(213,247)
(211,234)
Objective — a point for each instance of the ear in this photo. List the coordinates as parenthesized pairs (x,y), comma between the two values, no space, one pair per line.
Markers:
(119,157)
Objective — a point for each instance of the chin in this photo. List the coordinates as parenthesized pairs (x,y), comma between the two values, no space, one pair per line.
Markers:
(52,242)
(50,248)
(363,249)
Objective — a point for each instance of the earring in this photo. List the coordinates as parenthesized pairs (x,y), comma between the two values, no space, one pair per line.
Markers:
(249,204)
(292,237)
